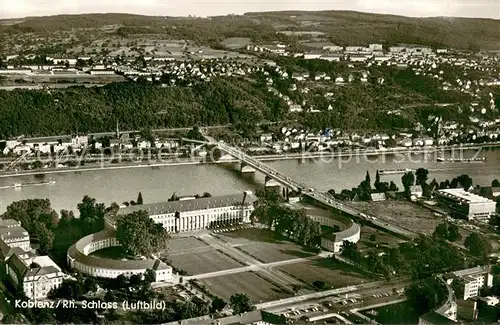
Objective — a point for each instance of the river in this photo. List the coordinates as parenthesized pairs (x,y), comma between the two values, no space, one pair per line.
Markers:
(158,183)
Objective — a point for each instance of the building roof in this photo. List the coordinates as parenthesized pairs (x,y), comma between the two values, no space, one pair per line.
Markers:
(436,319)
(22,262)
(76,251)
(377,197)
(351,229)
(6,223)
(461,195)
(189,205)
(472,271)
(13,232)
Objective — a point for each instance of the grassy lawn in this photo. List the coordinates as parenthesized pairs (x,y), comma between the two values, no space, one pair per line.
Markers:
(257,288)
(381,238)
(265,245)
(115,252)
(203,262)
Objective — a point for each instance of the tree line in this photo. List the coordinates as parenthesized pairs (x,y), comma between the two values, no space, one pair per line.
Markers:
(136,106)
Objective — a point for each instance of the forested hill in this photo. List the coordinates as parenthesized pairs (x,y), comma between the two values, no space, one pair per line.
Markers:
(136,105)
(341,27)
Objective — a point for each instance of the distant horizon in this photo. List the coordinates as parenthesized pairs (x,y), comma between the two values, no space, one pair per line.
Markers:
(23,9)
(239,14)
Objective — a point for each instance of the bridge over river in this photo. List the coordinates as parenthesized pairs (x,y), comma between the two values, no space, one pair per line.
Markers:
(304,189)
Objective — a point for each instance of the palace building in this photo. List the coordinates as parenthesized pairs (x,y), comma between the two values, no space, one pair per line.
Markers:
(175,216)
(194,214)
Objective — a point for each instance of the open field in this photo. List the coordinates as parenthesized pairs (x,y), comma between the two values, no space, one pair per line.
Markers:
(381,238)
(236,42)
(401,213)
(257,288)
(178,244)
(265,245)
(203,262)
(336,274)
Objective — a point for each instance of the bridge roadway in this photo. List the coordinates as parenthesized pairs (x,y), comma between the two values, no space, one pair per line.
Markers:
(309,191)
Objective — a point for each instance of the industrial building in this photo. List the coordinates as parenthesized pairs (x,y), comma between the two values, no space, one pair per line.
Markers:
(468,205)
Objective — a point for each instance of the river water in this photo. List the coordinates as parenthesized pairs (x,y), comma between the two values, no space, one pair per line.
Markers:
(157,184)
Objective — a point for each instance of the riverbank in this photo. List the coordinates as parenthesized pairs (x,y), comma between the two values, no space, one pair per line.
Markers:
(324,156)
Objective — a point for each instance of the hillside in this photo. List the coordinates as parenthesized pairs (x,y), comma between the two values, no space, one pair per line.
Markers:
(341,27)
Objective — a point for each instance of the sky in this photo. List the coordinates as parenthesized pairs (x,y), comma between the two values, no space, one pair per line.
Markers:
(414,8)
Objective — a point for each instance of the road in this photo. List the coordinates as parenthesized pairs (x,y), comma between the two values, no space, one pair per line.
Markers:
(253,264)
(259,267)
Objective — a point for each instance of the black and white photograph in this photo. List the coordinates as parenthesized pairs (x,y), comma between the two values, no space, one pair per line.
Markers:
(227,162)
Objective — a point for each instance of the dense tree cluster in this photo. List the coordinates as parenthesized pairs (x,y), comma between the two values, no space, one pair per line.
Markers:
(241,303)
(364,190)
(56,233)
(426,294)
(447,231)
(136,105)
(478,245)
(418,258)
(139,235)
(38,218)
(293,224)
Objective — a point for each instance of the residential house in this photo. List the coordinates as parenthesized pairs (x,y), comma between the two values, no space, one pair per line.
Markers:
(295,108)
(267,137)
(79,141)
(20,149)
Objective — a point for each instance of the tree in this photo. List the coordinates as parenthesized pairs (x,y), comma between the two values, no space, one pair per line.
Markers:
(447,231)
(377,181)
(139,235)
(240,303)
(465,181)
(421,175)
(319,285)
(349,250)
(122,281)
(90,285)
(139,199)
(478,245)
(368,179)
(91,214)
(408,180)
(393,187)
(109,296)
(217,305)
(135,280)
(149,276)
(495,183)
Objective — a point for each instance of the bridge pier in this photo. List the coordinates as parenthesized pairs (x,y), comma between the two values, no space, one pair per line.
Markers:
(271,182)
(246,169)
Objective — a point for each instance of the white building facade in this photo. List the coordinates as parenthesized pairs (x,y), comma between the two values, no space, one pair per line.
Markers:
(194,214)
